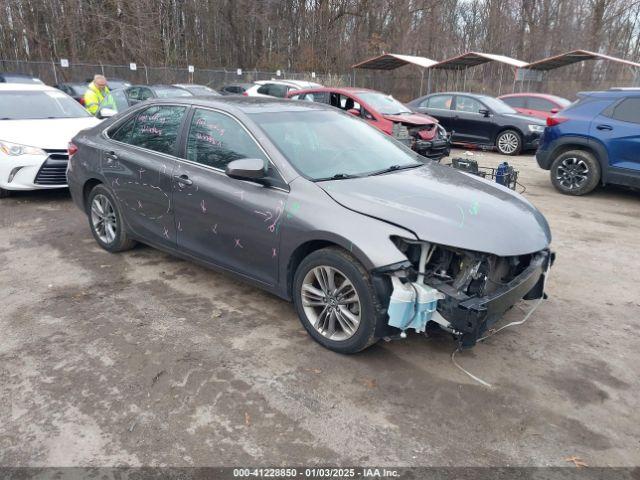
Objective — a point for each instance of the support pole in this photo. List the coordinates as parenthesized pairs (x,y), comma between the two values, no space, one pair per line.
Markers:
(421,80)
(429,82)
(55,75)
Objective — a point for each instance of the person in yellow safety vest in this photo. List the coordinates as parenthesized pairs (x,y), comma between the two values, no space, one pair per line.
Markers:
(98,96)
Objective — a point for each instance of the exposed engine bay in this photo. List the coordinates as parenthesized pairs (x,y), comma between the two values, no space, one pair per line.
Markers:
(431,141)
(462,291)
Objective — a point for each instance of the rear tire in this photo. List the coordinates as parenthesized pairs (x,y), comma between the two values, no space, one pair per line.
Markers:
(509,142)
(326,313)
(105,221)
(576,172)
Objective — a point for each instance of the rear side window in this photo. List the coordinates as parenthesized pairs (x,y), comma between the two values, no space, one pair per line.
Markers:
(442,102)
(628,110)
(216,139)
(155,128)
(318,97)
(540,104)
(515,102)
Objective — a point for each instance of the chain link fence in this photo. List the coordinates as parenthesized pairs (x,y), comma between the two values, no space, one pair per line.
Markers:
(52,73)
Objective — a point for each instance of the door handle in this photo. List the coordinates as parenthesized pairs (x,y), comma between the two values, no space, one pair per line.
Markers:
(604,127)
(183,179)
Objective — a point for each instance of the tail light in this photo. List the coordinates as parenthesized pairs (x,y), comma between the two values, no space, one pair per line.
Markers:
(72,149)
(245,94)
(555,120)
(81,100)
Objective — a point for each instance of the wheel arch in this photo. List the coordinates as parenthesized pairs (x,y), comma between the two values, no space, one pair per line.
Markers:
(566,144)
(308,247)
(89,185)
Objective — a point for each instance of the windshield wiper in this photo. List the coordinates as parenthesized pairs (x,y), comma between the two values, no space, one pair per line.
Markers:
(338,176)
(393,168)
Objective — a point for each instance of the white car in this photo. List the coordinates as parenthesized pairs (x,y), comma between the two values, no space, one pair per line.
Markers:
(37,123)
(277,88)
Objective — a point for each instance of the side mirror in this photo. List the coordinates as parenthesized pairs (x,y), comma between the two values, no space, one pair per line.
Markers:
(484,112)
(246,169)
(106,113)
(554,111)
(354,111)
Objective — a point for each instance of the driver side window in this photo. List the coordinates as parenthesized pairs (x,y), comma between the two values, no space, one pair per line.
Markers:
(216,140)
(468,104)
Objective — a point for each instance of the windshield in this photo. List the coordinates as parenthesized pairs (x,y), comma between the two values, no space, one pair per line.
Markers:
(25,105)
(385,104)
(496,105)
(333,144)
(167,92)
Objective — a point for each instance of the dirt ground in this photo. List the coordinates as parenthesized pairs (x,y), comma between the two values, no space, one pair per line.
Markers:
(142,359)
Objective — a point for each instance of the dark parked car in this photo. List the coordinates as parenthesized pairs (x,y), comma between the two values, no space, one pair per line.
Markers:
(594,141)
(481,120)
(235,88)
(140,93)
(421,133)
(74,90)
(541,105)
(198,89)
(366,239)
(8,77)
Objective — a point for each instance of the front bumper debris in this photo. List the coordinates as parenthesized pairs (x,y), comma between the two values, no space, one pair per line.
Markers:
(470,317)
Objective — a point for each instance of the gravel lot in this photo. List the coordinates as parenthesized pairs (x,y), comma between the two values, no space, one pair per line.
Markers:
(142,359)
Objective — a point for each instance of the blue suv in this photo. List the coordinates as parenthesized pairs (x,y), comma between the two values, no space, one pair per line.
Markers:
(595,140)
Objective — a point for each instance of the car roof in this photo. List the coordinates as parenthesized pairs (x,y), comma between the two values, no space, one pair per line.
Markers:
(246,104)
(612,93)
(291,83)
(27,87)
(346,90)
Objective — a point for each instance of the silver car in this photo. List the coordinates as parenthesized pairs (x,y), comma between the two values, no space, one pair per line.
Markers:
(316,206)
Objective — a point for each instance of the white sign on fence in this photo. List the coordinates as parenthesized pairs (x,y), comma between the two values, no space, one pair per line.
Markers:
(64,63)
(191,68)
(239,71)
(278,73)
(313,74)
(133,66)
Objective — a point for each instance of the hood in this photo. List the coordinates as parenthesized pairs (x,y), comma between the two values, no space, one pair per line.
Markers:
(412,118)
(444,206)
(526,118)
(47,133)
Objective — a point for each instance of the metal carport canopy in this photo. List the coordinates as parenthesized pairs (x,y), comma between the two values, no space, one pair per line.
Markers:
(391,61)
(575,56)
(472,59)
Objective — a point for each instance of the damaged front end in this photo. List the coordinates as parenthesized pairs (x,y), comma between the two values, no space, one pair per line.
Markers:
(430,141)
(462,291)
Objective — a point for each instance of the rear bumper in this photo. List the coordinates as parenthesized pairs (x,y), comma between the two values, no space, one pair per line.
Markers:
(543,157)
(471,317)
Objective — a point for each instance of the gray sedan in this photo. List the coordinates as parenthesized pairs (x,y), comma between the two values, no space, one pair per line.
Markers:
(316,206)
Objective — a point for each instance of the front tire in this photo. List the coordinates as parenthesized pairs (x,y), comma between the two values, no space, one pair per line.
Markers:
(509,142)
(4,193)
(335,301)
(575,172)
(105,221)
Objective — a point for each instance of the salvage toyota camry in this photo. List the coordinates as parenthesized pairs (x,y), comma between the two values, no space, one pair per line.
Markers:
(316,206)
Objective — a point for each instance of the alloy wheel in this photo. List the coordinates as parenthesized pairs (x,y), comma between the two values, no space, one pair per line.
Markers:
(331,303)
(103,219)
(508,143)
(572,173)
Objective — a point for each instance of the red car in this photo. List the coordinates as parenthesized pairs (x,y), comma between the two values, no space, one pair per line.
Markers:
(538,105)
(421,133)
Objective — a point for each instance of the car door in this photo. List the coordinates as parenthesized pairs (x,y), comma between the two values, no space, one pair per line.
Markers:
(231,223)
(138,165)
(471,125)
(439,107)
(618,128)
